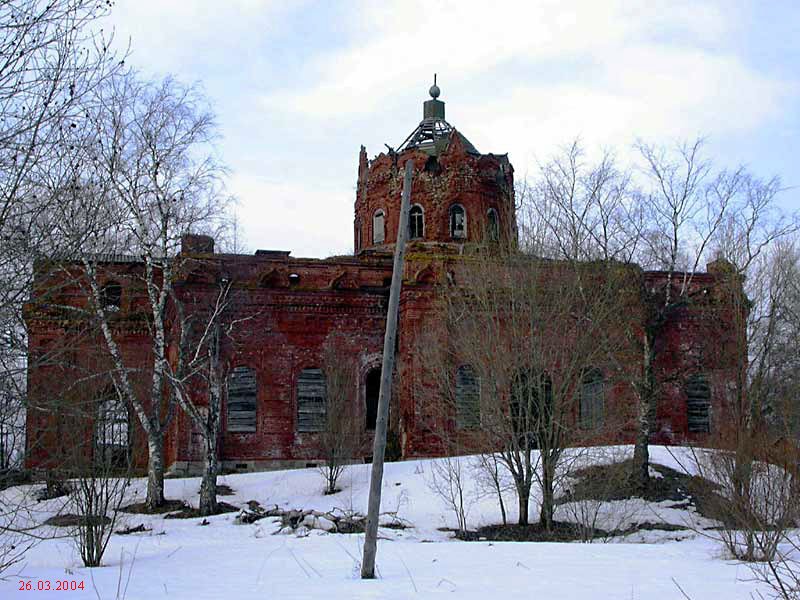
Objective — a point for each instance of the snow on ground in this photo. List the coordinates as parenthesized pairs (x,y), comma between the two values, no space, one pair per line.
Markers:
(180,559)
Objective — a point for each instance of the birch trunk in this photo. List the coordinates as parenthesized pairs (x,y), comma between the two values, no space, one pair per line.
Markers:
(155,471)
(640,469)
(208,487)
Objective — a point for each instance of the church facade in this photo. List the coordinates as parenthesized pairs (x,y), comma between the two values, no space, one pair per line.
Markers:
(291,307)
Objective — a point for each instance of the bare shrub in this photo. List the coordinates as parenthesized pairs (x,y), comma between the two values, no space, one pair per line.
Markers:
(595,500)
(100,473)
(98,496)
(756,510)
(782,573)
(491,479)
(341,439)
(447,479)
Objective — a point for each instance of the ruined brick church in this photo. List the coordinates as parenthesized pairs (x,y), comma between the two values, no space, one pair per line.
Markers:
(274,393)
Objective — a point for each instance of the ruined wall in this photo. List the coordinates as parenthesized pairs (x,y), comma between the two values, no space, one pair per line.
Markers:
(69,368)
(703,338)
(477,182)
(286,310)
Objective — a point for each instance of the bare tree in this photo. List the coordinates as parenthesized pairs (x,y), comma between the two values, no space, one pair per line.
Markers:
(100,476)
(553,325)
(670,214)
(578,209)
(491,478)
(759,464)
(341,439)
(199,367)
(145,177)
(448,480)
(688,205)
(50,61)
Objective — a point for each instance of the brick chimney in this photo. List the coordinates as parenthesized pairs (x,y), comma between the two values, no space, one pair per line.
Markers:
(194,243)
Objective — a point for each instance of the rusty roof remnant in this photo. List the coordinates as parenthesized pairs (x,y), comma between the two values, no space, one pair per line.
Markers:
(433,133)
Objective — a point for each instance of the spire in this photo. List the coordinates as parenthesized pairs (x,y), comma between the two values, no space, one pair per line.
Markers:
(433,131)
(433,109)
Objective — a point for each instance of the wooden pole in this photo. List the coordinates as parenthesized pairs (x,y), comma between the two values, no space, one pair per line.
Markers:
(385,394)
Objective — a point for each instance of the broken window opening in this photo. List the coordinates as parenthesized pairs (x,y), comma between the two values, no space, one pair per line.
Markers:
(242,400)
(311,400)
(378,227)
(416,222)
(112,430)
(458,222)
(531,407)
(492,225)
(111,296)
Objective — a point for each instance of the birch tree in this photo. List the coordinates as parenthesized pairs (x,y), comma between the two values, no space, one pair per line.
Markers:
(50,61)
(207,324)
(688,203)
(146,175)
(673,213)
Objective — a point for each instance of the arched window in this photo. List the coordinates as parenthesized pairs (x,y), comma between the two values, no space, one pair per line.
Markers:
(242,400)
(372,391)
(698,404)
(468,398)
(531,407)
(111,296)
(592,400)
(378,227)
(458,222)
(492,225)
(311,400)
(112,430)
(358,233)
(416,222)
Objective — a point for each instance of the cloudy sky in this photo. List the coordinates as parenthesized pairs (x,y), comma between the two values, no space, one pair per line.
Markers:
(299,86)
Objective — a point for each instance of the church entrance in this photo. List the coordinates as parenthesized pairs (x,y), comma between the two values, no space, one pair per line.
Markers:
(373,388)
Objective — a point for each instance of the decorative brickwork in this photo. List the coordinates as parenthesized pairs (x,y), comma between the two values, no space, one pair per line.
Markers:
(287,308)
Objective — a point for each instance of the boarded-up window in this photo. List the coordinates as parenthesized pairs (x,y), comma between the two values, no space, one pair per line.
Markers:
(242,394)
(378,229)
(468,398)
(311,395)
(698,404)
(592,400)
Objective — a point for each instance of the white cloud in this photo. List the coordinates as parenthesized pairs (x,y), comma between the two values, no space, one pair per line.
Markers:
(651,92)
(169,35)
(519,77)
(304,217)
(392,44)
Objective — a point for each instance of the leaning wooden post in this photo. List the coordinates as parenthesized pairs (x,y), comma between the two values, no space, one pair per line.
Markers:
(385,394)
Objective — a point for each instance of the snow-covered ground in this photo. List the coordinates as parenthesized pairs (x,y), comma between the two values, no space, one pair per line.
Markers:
(180,559)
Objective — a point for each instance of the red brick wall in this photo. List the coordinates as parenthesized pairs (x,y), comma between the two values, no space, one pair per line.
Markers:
(477,182)
(286,309)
